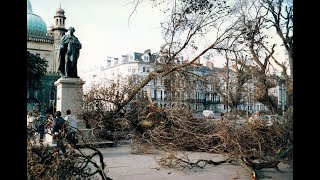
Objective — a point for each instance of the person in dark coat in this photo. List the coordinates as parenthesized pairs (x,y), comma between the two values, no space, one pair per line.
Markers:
(57,128)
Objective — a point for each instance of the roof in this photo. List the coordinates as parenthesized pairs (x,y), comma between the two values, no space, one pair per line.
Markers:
(35,25)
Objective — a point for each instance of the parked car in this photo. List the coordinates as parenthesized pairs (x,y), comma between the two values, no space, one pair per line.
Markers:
(271,119)
(208,114)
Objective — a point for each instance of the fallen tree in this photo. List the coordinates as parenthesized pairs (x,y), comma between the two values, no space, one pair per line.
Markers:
(254,146)
(47,162)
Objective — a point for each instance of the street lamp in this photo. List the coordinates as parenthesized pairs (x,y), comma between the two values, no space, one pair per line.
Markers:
(248,100)
(249,93)
(282,95)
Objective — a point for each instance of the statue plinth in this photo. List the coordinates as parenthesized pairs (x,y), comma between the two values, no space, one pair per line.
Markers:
(70,96)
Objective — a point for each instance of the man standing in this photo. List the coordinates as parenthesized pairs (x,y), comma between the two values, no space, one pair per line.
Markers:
(57,128)
(72,127)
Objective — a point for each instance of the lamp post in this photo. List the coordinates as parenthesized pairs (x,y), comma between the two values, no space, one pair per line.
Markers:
(247,99)
(249,93)
(283,96)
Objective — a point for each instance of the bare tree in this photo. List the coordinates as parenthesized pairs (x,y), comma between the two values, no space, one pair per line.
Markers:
(184,32)
(281,20)
(256,46)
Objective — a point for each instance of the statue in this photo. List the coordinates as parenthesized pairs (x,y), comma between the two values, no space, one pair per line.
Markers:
(69,54)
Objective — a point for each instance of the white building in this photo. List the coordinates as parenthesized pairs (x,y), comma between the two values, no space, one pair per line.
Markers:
(196,94)
(279,92)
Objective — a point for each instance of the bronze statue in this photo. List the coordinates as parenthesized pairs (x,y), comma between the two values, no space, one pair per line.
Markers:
(69,54)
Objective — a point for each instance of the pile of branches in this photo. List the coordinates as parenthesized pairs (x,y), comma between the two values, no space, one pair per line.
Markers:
(176,129)
(48,162)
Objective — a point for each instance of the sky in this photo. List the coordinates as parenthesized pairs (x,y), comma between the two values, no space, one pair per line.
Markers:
(103,28)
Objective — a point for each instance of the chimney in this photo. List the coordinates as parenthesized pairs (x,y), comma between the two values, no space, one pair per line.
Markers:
(210,64)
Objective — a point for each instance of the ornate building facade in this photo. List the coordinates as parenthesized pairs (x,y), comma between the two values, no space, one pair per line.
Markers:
(44,41)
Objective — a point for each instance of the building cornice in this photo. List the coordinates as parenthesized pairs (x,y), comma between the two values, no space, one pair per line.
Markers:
(59,29)
(45,39)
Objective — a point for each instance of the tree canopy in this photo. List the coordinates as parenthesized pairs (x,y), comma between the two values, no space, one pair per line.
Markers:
(36,68)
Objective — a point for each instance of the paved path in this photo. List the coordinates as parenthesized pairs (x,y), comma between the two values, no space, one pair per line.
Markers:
(122,165)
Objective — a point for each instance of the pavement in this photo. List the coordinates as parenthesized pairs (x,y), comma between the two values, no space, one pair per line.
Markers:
(123,165)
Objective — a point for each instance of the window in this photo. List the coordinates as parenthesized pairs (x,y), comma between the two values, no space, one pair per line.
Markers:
(146,58)
(212,97)
(145,69)
(161,92)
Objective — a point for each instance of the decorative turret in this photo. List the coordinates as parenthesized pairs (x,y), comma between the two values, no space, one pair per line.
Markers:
(59,27)
(60,18)
(58,31)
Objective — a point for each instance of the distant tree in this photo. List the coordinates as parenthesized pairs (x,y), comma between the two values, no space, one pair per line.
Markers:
(36,69)
(280,19)
(234,89)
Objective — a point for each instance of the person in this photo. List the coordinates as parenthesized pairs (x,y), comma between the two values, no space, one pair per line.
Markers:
(71,121)
(49,123)
(30,120)
(256,114)
(41,121)
(48,127)
(254,117)
(30,126)
(222,116)
(69,48)
(57,128)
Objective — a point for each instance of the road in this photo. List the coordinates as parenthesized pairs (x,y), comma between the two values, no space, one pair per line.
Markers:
(123,165)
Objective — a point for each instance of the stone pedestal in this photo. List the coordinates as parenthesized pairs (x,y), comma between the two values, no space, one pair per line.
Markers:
(70,96)
(86,133)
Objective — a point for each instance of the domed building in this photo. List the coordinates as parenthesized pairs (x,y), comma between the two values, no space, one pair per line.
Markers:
(44,41)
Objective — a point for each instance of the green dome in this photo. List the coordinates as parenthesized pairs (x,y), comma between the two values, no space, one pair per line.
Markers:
(35,25)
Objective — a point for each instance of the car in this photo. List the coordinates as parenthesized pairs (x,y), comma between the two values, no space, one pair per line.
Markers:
(208,114)
(271,119)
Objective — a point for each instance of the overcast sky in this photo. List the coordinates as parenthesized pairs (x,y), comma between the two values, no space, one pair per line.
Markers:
(103,28)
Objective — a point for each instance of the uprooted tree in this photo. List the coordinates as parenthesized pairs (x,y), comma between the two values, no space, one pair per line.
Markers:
(80,161)
(196,29)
